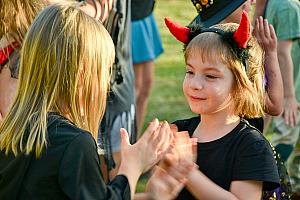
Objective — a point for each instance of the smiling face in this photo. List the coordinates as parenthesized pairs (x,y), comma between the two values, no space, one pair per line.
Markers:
(207,86)
(217,80)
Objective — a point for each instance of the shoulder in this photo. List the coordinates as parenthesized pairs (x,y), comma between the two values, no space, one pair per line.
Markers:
(283,14)
(62,131)
(257,123)
(255,158)
(278,5)
(250,136)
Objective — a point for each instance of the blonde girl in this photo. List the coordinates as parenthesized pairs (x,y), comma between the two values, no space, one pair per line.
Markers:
(47,140)
(223,84)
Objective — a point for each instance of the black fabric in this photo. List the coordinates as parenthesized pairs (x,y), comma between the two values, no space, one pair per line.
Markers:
(242,154)
(69,168)
(215,11)
(257,123)
(141,9)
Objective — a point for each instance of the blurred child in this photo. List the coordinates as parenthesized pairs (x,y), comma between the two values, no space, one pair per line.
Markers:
(285,17)
(16,17)
(235,160)
(48,138)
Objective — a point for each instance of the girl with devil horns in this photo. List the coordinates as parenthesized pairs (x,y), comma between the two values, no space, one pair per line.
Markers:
(224,84)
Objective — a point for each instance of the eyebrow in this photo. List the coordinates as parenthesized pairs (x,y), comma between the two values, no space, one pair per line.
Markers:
(206,68)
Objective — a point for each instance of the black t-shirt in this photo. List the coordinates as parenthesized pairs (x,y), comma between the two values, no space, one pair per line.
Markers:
(257,123)
(69,168)
(242,154)
(141,9)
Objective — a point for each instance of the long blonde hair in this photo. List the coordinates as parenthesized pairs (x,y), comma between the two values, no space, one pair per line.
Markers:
(64,67)
(248,88)
(16,17)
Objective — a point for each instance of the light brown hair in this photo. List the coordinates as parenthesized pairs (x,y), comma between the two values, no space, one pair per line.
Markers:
(16,16)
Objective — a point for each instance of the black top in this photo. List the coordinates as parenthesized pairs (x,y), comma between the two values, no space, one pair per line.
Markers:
(257,123)
(69,168)
(242,154)
(141,9)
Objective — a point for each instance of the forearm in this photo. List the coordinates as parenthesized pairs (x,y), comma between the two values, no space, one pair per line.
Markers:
(274,91)
(132,176)
(286,68)
(203,188)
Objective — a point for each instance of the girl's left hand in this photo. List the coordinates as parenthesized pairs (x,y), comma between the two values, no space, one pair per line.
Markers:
(265,35)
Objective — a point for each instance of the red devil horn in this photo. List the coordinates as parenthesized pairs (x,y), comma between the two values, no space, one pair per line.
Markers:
(242,34)
(181,33)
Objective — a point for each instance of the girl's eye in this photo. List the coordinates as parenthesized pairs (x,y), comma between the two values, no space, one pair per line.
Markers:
(189,72)
(209,76)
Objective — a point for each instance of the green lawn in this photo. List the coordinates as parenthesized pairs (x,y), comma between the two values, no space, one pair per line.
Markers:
(167,101)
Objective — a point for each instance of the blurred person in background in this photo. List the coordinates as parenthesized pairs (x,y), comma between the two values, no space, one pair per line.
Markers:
(146,46)
(16,17)
(285,17)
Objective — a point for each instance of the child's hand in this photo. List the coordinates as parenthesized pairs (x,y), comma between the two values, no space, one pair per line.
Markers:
(166,184)
(185,146)
(290,113)
(265,35)
(182,149)
(149,149)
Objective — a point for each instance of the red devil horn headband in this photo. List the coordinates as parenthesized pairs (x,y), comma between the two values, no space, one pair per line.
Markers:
(181,33)
(241,36)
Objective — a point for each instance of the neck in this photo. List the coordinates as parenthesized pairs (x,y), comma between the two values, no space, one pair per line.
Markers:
(217,125)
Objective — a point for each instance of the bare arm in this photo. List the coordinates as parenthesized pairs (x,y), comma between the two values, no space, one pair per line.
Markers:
(286,67)
(266,36)
(203,188)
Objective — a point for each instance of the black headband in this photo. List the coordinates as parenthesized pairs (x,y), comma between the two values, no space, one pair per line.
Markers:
(242,54)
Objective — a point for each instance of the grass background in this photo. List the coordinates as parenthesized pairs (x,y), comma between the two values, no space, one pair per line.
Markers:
(166,101)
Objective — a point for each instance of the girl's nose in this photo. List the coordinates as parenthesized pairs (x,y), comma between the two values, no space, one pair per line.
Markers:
(197,82)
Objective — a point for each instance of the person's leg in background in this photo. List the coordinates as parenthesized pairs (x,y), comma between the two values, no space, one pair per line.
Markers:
(144,74)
